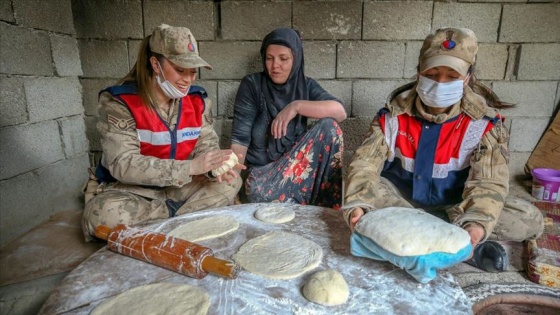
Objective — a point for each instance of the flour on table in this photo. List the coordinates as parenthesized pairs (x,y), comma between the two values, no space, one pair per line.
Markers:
(206,228)
(279,255)
(411,232)
(326,287)
(157,298)
(228,165)
(276,214)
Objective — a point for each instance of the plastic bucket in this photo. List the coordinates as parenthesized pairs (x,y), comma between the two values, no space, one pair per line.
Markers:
(546,184)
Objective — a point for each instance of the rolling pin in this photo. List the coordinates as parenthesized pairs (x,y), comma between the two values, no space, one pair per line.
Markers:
(166,251)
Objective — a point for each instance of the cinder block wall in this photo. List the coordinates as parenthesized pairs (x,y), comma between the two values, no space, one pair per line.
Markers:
(359,50)
(43,144)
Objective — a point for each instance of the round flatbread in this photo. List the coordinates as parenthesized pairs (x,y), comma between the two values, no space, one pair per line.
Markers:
(206,228)
(411,232)
(276,214)
(326,287)
(279,255)
(157,298)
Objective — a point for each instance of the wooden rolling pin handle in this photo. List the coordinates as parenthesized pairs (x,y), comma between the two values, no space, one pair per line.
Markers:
(220,267)
(102,232)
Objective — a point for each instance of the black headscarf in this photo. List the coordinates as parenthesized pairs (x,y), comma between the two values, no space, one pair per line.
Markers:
(277,96)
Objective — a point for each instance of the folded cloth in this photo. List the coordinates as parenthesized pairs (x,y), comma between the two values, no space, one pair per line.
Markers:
(489,256)
(411,239)
(423,268)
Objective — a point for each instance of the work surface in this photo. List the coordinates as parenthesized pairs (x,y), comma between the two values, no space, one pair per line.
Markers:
(375,287)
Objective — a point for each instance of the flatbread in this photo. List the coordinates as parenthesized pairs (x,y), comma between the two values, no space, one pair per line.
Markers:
(228,165)
(206,228)
(276,214)
(157,298)
(411,232)
(326,287)
(279,255)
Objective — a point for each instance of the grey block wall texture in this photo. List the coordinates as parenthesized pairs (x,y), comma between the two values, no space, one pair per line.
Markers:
(44,148)
(56,55)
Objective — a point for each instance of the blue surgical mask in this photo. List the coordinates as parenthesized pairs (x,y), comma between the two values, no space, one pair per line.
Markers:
(440,95)
(168,88)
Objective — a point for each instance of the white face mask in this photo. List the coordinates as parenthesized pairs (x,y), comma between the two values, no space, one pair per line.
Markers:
(168,88)
(440,95)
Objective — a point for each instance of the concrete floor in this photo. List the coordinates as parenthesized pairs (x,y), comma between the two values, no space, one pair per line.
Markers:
(27,297)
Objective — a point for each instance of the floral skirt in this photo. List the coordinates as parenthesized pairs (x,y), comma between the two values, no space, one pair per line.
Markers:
(309,174)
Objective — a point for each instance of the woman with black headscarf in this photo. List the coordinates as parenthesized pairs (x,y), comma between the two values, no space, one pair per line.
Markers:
(287,161)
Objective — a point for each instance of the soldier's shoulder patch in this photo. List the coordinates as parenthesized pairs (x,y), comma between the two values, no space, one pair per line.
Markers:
(121,123)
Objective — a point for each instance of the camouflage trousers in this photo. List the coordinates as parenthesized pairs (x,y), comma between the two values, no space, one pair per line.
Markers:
(118,203)
(519,220)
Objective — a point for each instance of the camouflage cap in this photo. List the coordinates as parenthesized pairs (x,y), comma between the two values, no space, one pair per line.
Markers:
(178,45)
(452,47)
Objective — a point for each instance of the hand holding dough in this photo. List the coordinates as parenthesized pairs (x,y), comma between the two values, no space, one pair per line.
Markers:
(228,165)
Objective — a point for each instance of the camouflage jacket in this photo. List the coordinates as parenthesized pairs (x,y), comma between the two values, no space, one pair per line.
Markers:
(487,183)
(121,147)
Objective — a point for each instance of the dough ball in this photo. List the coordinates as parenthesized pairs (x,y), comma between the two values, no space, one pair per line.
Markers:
(157,298)
(277,214)
(279,255)
(326,287)
(228,165)
(206,228)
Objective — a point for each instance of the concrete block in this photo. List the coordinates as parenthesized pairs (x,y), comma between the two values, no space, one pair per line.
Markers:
(253,20)
(49,98)
(29,147)
(66,55)
(328,20)
(320,59)
(198,16)
(12,101)
(23,51)
(108,19)
(354,129)
(104,59)
(397,20)
(91,89)
(369,96)
(6,11)
(52,15)
(30,199)
(211,88)
(370,59)
(557,101)
(227,90)
(491,61)
(532,98)
(341,89)
(526,132)
(529,23)
(223,129)
(482,18)
(73,135)
(411,60)
(93,136)
(517,161)
(133,48)
(539,62)
(231,60)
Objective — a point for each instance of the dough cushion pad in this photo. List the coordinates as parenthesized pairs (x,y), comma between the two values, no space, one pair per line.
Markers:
(411,239)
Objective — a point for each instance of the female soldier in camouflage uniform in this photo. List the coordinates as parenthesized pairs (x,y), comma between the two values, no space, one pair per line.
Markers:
(158,140)
(440,146)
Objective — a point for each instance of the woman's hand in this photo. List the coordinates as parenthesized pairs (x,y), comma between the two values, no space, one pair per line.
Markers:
(355,216)
(476,233)
(280,123)
(208,161)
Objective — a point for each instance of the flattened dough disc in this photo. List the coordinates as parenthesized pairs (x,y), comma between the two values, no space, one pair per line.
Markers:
(279,255)
(206,228)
